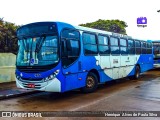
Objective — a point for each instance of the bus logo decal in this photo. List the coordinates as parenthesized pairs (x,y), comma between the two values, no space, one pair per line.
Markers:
(115,60)
(37,75)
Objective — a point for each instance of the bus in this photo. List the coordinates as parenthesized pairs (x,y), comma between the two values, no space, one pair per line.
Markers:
(156,53)
(58,57)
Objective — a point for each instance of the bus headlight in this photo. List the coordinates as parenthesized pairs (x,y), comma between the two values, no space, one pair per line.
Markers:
(45,79)
(18,77)
(51,77)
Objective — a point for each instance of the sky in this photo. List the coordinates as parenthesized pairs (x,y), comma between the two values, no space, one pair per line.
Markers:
(77,12)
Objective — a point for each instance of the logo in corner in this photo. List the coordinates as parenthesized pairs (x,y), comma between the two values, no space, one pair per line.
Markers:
(142,22)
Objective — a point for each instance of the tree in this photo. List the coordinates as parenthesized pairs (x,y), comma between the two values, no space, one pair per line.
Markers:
(116,26)
(8,41)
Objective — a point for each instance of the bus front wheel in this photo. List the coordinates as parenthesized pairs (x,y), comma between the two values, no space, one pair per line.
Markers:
(91,83)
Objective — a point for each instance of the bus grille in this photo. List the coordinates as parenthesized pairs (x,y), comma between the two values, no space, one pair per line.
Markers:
(31,70)
(28,80)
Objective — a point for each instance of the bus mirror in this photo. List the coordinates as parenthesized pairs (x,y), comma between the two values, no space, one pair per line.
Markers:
(69,48)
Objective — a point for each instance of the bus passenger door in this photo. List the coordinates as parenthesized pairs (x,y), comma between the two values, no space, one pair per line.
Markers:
(70,51)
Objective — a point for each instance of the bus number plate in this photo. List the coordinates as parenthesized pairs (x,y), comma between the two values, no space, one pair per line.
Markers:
(31,85)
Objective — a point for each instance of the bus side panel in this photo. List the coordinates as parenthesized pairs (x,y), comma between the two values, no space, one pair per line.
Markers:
(147,63)
(145,67)
(106,70)
(115,65)
(90,62)
(77,77)
(136,60)
(132,72)
(127,65)
(98,63)
(104,75)
(71,82)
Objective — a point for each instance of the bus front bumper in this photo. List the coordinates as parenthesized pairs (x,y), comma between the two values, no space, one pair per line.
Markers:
(53,85)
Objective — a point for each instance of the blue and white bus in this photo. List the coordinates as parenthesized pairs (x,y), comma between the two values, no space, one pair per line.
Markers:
(58,57)
(156,53)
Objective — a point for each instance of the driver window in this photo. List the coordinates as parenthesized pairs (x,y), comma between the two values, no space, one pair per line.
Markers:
(70,46)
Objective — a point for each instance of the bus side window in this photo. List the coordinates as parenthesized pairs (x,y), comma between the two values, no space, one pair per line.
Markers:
(114,46)
(138,47)
(149,48)
(103,45)
(131,47)
(143,47)
(123,46)
(90,44)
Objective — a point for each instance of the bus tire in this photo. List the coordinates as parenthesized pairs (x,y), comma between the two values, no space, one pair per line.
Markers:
(91,83)
(137,72)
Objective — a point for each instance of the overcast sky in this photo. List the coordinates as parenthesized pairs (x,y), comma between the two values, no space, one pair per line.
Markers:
(82,11)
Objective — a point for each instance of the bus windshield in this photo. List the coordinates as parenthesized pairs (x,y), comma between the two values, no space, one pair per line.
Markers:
(37,51)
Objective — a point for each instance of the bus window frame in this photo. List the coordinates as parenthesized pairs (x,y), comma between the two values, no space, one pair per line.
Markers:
(96,43)
(79,41)
(104,35)
(143,47)
(149,48)
(114,45)
(138,47)
(122,38)
(133,47)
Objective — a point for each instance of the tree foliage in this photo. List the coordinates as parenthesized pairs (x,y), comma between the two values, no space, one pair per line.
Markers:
(8,41)
(116,26)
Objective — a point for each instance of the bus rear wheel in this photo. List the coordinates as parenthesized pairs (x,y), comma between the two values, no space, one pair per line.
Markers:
(91,83)
(137,72)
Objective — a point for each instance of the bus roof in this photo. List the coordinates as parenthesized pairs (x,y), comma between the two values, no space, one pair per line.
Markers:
(63,25)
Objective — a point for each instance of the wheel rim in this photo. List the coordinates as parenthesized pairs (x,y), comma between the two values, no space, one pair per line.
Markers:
(90,82)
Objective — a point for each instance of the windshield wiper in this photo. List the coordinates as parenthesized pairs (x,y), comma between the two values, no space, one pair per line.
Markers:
(40,43)
(24,44)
